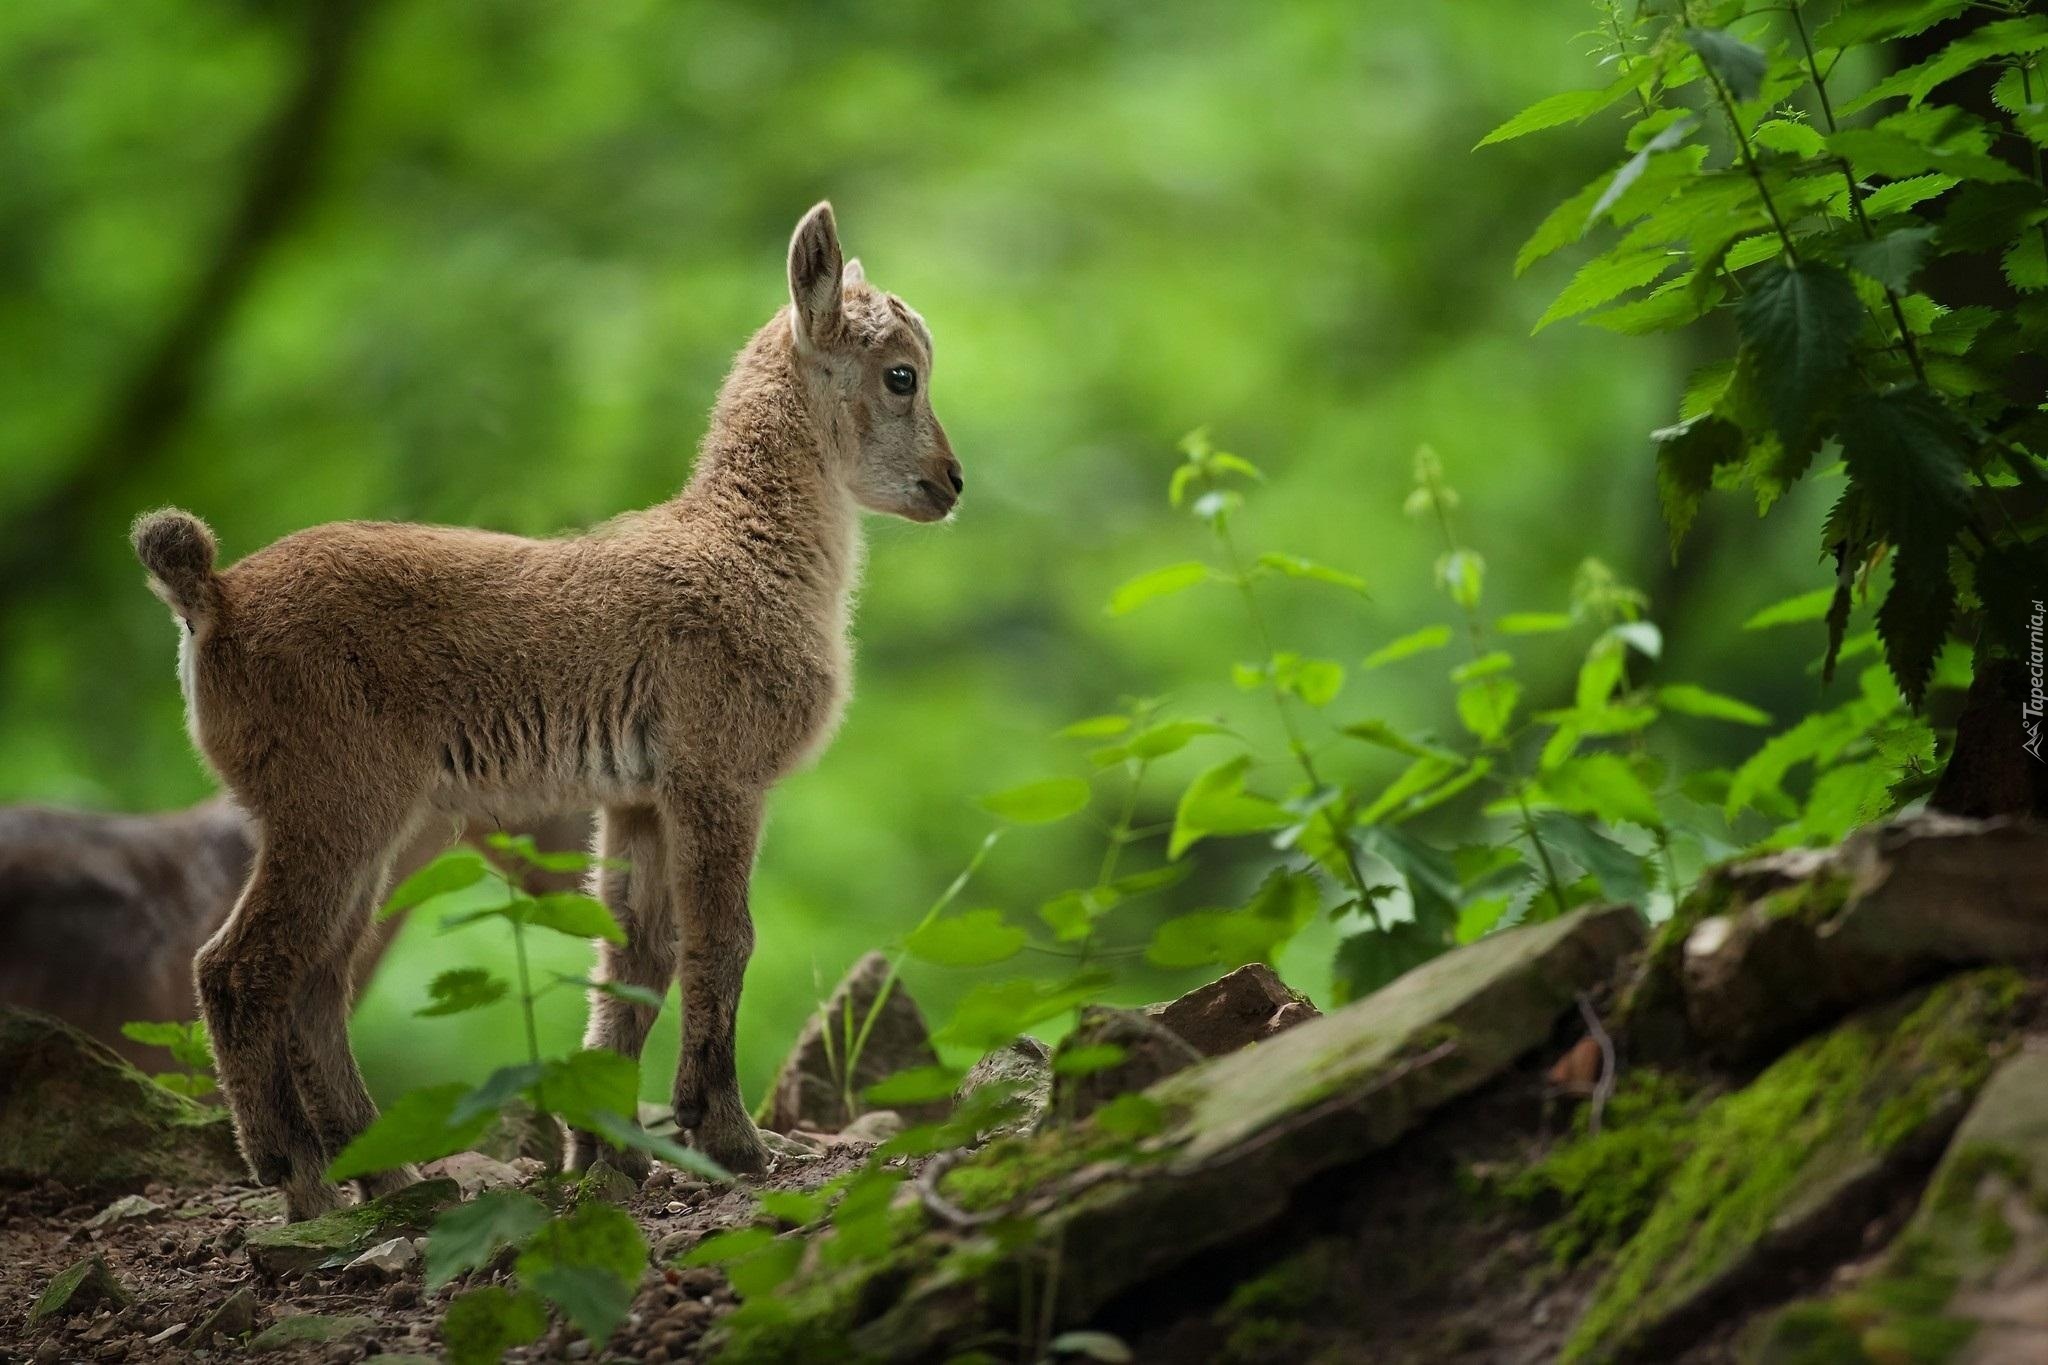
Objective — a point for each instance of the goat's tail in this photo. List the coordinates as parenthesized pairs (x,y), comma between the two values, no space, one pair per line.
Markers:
(178,549)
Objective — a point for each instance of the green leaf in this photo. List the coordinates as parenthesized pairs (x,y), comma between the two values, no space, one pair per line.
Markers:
(1150,587)
(152,1034)
(1415,642)
(498,1087)
(1131,1116)
(916,1085)
(1284,904)
(462,988)
(1294,566)
(1807,606)
(1087,1059)
(588,1264)
(1623,875)
(416,1127)
(1635,170)
(2017,37)
(1687,456)
(1895,155)
(1462,573)
(1485,666)
(977,938)
(1485,708)
(1156,741)
(1798,325)
(624,1132)
(1604,279)
(1216,803)
(1378,732)
(1603,785)
(1870,20)
(1534,622)
(524,849)
(798,1208)
(1429,768)
(617,990)
(483,1324)
(1736,64)
(1688,700)
(467,1236)
(1366,962)
(1038,803)
(1316,681)
(734,1244)
(574,914)
(451,872)
(586,1083)
(1095,727)
(994,1012)
(1554,111)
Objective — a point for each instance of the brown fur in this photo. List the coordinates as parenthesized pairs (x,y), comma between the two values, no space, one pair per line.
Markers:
(101,914)
(669,667)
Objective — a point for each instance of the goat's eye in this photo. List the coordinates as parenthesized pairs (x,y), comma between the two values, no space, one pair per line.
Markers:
(900,379)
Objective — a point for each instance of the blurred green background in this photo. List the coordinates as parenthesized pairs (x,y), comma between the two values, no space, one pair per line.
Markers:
(513,245)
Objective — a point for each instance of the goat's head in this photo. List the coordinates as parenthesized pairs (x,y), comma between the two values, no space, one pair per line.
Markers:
(867,355)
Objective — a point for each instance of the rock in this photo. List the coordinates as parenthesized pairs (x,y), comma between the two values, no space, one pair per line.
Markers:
(876,1126)
(72,1111)
(1025,1067)
(808,1093)
(1970,1271)
(602,1183)
(1151,1050)
(1236,1010)
(386,1260)
(234,1316)
(522,1132)
(1226,1144)
(128,1208)
(1798,1160)
(1239,1008)
(310,1328)
(473,1173)
(1766,949)
(334,1239)
(80,1288)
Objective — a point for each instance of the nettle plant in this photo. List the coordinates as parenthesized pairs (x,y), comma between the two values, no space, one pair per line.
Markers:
(569,1250)
(189,1047)
(1851,229)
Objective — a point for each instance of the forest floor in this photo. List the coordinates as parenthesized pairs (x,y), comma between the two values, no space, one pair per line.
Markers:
(186,1260)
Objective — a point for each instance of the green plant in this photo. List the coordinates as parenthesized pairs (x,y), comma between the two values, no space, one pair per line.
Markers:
(1879,244)
(584,1259)
(189,1048)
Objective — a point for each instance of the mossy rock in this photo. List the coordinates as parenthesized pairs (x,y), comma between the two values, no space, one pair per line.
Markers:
(79,1288)
(73,1111)
(1967,1279)
(1202,1157)
(1794,1159)
(302,1329)
(333,1239)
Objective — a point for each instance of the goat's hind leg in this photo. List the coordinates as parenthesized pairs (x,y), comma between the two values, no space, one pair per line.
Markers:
(633,882)
(249,976)
(323,1064)
(717,834)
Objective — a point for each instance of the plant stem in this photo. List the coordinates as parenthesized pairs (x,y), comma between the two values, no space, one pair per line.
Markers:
(1749,163)
(1475,630)
(1119,835)
(859,1041)
(1827,111)
(540,1098)
(1339,820)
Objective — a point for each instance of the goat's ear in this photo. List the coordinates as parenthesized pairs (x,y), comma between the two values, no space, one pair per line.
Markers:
(854,274)
(814,277)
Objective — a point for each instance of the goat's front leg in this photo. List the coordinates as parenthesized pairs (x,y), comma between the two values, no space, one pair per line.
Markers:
(634,882)
(715,840)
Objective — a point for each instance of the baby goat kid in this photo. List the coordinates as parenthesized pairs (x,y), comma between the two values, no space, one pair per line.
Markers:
(667,667)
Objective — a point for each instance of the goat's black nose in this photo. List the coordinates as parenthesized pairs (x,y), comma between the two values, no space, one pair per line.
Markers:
(953,474)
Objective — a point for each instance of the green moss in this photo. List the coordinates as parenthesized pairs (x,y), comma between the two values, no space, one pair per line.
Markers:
(1005,1172)
(1814,901)
(1821,1111)
(337,1236)
(1608,1183)
(1264,1316)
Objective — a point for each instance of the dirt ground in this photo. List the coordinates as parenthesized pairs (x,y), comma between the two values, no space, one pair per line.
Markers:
(181,1263)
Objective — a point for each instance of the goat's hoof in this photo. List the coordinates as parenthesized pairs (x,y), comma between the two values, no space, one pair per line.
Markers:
(388,1182)
(310,1199)
(737,1147)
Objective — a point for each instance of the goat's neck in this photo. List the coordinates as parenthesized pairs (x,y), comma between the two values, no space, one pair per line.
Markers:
(764,478)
